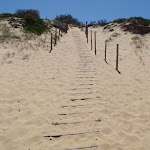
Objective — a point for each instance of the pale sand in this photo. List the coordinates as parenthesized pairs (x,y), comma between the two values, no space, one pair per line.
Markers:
(36,86)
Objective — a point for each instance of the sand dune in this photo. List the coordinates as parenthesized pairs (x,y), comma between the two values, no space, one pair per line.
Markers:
(73,96)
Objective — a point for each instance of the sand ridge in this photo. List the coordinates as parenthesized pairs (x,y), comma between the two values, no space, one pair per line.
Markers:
(72,91)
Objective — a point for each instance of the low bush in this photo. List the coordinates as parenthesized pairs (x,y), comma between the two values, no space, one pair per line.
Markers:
(37,27)
(60,25)
(101,22)
(135,25)
(139,21)
(31,18)
(32,21)
(120,20)
(134,21)
(22,13)
(7,15)
(68,19)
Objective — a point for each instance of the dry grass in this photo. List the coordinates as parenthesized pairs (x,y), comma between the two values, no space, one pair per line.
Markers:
(136,40)
(26,57)
(6,35)
(114,35)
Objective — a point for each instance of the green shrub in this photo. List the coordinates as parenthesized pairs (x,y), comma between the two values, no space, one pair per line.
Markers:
(102,22)
(22,13)
(120,20)
(60,25)
(38,27)
(6,15)
(134,21)
(92,23)
(68,19)
(32,21)
(29,19)
(139,21)
(33,12)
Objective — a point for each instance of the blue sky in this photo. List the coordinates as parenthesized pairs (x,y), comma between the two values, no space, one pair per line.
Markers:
(84,10)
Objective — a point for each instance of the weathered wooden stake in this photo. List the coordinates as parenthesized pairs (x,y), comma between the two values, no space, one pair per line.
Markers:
(91,40)
(55,37)
(117,55)
(95,42)
(86,30)
(61,28)
(87,34)
(105,50)
(66,27)
(51,42)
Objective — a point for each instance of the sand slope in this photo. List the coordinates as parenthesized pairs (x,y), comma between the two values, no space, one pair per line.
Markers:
(103,110)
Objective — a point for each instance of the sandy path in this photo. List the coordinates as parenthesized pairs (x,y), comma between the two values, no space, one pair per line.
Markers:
(77,111)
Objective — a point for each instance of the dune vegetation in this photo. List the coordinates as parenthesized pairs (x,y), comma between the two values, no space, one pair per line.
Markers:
(31,22)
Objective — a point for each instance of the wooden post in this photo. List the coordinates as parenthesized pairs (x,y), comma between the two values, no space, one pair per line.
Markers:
(87,34)
(95,42)
(51,42)
(66,27)
(91,40)
(62,28)
(86,30)
(117,54)
(55,37)
(105,50)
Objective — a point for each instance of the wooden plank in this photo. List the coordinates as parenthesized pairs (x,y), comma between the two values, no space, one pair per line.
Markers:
(84,77)
(82,99)
(82,84)
(80,89)
(60,135)
(65,114)
(84,93)
(66,106)
(64,123)
(84,147)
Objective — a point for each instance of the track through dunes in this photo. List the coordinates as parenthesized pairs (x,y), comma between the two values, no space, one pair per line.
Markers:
(78,116)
